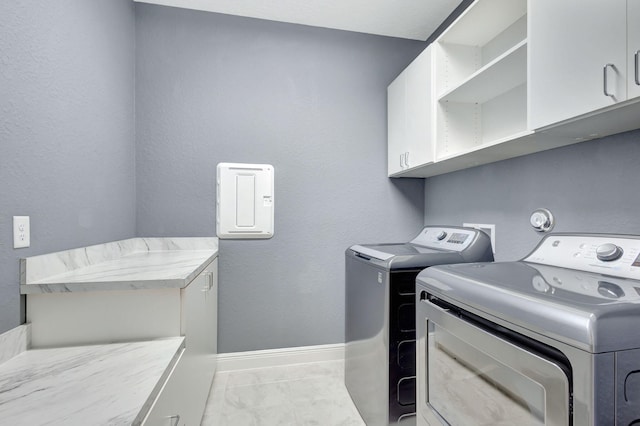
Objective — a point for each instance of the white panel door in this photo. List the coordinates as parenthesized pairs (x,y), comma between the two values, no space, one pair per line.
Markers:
(183,398)
(396,130)
(633,43)
(244,200)
(570,42)
(419,101)
(201,330)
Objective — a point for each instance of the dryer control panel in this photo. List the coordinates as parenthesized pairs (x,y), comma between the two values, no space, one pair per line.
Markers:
(445,238)
(615,255)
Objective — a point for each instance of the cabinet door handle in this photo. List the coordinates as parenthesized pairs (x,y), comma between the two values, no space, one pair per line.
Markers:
(209,285)
(406,158)
(403,160)
(174,420)
(605,81)
(637,75)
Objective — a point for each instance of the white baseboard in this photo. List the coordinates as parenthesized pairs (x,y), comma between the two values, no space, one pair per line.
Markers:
(278,357)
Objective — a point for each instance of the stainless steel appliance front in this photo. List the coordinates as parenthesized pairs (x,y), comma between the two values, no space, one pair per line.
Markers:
(380,329)
(474,376)
(552,339)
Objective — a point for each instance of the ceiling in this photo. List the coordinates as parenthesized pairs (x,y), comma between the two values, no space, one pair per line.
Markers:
(410,19)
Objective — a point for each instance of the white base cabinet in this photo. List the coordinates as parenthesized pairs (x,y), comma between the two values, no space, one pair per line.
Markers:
(80,318)
(183,398)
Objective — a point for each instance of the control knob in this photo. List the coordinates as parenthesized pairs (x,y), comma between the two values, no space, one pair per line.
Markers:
(610,290)
(608,252)
(441,236)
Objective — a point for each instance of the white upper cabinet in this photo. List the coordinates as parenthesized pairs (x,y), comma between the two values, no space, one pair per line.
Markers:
(410,116)
(480,78)
(514,77)
(396,128)
(578,58)
(633,46)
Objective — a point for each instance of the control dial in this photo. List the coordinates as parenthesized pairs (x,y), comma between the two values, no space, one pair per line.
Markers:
(441,236)
(610,290)
(608,252)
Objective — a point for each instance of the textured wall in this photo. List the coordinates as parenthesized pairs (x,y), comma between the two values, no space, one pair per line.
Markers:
(213,88)
(589,187)
(66,129)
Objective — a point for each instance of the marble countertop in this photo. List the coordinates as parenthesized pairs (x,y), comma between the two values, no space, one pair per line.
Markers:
(137,263)
(113,384)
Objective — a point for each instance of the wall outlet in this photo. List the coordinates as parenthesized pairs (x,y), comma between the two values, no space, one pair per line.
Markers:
(21,232)
(490,230)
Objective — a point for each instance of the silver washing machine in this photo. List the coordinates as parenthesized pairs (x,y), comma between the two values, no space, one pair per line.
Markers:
(553,339)
(380,330)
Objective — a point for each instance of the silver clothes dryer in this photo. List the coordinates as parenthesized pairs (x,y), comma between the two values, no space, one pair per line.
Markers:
(553,339)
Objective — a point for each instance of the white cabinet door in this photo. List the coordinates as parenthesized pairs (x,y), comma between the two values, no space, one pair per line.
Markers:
(570,44)
(169,407)
(409,116)
(200,307)
(184,395)
(396,129)
(633,43)
(419,100)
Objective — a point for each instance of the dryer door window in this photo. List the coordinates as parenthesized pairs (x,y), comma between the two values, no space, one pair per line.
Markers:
(473,377)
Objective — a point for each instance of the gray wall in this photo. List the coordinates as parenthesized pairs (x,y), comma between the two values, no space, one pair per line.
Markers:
(66,129)
(589,187)
(213,88)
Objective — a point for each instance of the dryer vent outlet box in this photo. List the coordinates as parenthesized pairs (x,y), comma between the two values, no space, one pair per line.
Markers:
(244,201)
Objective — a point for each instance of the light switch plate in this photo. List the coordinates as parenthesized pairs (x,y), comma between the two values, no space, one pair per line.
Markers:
(21,232)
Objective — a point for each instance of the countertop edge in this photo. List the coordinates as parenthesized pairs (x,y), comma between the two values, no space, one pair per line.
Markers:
(35,268)
(24,376)
(118,285)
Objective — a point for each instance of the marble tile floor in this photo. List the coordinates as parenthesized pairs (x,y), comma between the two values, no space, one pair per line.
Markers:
(310,394)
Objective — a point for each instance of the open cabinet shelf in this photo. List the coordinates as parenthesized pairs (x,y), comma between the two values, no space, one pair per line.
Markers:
(497,77)
(464,126)
(481,75)
(478,89)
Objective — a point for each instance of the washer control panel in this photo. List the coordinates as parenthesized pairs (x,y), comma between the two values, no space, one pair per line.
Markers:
(443,238)
(615,255)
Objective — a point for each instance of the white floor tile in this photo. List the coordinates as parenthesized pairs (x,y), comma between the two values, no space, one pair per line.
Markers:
(300,394)
(285,373)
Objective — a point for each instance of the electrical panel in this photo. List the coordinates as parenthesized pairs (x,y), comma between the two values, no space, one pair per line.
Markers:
(244,201)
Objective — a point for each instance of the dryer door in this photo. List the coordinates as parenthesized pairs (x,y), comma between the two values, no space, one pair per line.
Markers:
(471,376)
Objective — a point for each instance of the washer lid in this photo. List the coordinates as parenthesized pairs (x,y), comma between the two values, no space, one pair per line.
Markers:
(404,256)
(593,312)
(434,245)
(387,251)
